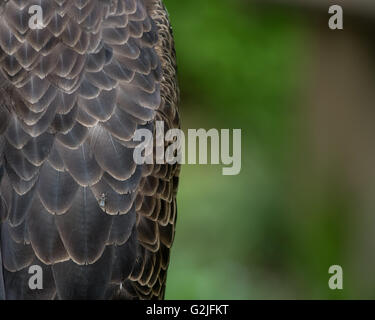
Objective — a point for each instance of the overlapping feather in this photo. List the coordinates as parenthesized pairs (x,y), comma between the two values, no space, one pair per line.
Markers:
(72,199)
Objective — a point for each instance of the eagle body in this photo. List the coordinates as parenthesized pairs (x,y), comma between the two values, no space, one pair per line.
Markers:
(73,202)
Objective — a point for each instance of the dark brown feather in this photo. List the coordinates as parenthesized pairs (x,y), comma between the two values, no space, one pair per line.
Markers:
(72,200)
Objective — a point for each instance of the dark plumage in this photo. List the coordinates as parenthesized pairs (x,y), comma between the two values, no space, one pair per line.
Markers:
(72,200)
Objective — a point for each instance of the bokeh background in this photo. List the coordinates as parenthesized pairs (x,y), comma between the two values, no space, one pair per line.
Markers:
(303,96)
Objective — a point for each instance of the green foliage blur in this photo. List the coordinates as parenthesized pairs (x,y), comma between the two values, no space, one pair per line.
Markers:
(246,236)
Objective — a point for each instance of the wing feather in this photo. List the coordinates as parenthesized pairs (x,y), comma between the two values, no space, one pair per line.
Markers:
(72,199)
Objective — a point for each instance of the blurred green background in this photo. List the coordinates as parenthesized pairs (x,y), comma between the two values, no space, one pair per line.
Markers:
(272,231)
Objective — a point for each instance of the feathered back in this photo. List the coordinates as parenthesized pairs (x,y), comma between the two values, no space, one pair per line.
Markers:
(73,201)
